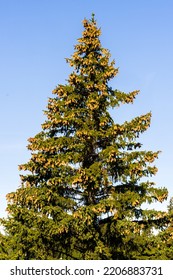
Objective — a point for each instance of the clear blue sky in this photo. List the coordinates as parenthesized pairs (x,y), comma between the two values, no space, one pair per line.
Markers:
(36,36)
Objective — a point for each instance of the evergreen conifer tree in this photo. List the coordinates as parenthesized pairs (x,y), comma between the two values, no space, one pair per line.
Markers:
(87,179)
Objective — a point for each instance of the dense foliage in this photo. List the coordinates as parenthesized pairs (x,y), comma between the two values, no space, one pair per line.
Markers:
(88,178)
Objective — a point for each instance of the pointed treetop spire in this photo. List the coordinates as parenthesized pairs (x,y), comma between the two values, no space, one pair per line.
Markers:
(93,19)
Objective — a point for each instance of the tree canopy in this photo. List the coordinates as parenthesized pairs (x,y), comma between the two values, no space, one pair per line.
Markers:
(88,178)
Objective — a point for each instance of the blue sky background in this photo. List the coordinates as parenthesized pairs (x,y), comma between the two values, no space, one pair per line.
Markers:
(36,36)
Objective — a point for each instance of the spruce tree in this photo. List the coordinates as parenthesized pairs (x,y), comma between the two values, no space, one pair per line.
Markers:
(88,177)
